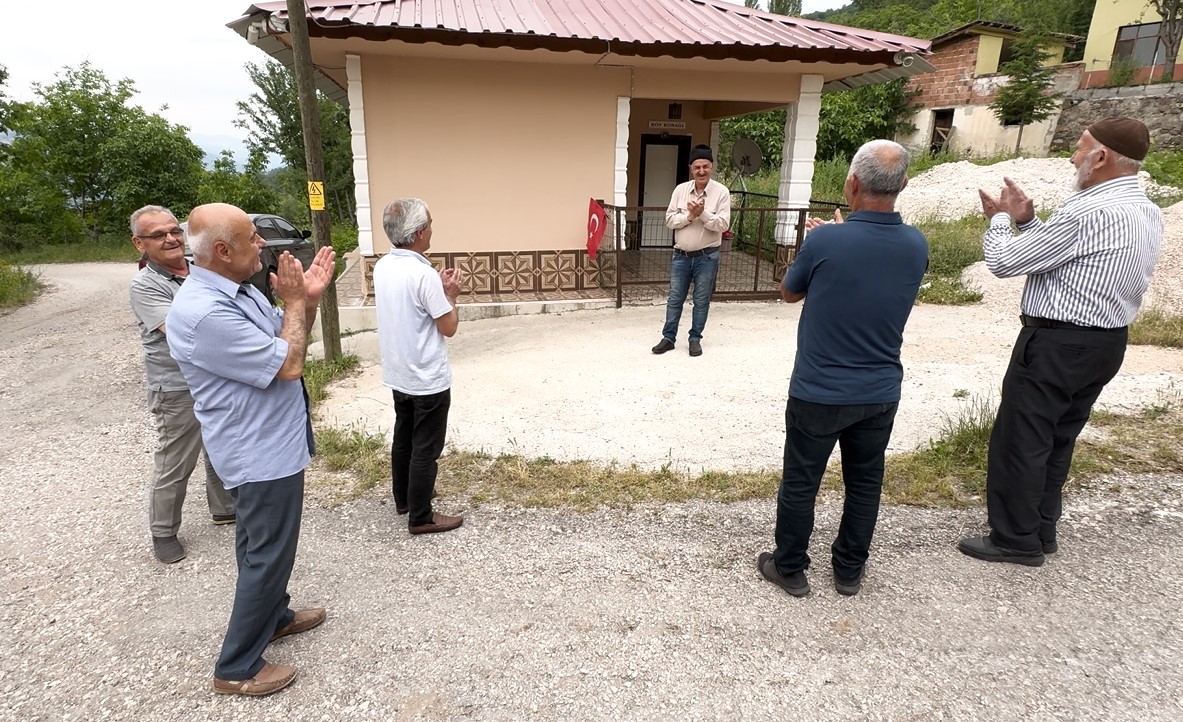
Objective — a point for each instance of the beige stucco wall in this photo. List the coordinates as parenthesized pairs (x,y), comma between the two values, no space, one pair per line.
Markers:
(978,133)
(505,154)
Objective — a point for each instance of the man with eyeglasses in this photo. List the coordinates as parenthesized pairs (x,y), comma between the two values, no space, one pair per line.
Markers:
(155,232)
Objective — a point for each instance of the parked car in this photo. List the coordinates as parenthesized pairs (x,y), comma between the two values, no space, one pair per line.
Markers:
(280,235)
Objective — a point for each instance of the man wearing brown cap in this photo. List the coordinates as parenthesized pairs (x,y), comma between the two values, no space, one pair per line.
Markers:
(698,213)
(1087,268)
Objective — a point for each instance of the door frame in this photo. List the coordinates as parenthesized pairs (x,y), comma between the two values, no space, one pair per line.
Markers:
(683,143)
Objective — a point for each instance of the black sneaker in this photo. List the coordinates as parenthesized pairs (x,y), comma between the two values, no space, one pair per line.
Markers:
(224,519)
(695,347)
(664,345)
(1050,547)
(168,549)
(795,584)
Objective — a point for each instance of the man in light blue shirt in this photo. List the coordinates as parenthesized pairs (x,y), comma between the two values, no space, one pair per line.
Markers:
(244,360)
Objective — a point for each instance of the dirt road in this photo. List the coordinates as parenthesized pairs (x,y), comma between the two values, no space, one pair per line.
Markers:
(650,614)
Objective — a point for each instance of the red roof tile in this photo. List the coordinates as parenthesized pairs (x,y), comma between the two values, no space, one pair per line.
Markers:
(680,27)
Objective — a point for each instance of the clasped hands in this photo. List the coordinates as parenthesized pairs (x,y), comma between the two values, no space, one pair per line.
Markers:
(453,281)
(292,284)
(695,208)
(812,222)
(1011,200)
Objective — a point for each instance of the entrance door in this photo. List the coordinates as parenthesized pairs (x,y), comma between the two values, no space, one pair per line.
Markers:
(942,128)
(665,162)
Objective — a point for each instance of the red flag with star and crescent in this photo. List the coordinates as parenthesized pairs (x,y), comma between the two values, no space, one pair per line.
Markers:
(597,221)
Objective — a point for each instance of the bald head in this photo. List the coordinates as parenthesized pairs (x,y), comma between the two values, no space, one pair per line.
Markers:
(216,222)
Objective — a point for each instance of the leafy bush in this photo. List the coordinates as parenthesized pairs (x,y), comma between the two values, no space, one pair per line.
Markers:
(17,286)
(1121,72)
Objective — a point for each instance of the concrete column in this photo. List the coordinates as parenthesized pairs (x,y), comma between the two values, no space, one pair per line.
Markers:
(620,165)
(361,167)
(800,148)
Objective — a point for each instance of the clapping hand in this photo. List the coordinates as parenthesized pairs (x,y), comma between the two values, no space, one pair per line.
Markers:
(320,274)
(695,208)
(812,222)
(453,281)
(1011,200)
(288,280)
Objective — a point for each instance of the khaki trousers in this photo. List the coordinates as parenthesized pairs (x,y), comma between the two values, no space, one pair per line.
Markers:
(178,444)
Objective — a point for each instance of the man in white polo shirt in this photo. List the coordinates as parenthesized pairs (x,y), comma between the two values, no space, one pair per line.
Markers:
(416,311)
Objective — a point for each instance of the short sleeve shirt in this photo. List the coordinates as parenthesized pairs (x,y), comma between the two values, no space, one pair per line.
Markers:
(152,291)
(409,296)
(225,338)
(860,279)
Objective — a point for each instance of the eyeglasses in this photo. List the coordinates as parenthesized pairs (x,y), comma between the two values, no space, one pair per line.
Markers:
(174,232)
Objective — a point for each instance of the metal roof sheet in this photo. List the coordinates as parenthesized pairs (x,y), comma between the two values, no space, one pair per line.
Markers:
(688,24)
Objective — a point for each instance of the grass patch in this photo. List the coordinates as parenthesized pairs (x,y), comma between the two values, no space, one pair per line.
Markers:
(318,374)
(18,286)
(950,471)
(514,480)
(1156,328)
(107,248)
(952,245)
(365,456)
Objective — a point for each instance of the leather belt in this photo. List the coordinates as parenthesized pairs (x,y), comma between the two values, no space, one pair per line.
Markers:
(695,254)
(1037,322)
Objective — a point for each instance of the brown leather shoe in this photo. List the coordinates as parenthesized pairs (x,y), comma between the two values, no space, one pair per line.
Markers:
(271,678)
(439,523)
(303,620)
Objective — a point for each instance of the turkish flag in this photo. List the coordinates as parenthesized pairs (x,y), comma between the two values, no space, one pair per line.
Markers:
(597,222)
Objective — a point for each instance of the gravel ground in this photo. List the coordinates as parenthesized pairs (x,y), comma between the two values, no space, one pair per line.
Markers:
(653,613)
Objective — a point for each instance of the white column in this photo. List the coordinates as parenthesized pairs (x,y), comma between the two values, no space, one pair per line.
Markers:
(620,166)
(715,136)
(796,165)
(361,167)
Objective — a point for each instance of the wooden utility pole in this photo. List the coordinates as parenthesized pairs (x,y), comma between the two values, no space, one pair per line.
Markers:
(330,322)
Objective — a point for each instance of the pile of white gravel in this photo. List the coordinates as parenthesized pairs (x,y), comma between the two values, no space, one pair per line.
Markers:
(1166,286)
(950,191)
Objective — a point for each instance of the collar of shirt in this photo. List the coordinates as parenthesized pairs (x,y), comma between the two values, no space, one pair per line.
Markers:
(1125,182)
(883,217)
(215,281)
(404,253)
(166,273)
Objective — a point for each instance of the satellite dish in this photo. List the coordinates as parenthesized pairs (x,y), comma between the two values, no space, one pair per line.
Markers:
(746,156)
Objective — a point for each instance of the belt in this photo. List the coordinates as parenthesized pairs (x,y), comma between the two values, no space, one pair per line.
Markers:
(1037,322)
(695,254)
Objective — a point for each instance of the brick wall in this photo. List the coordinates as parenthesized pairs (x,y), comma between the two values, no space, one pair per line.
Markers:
(951,84)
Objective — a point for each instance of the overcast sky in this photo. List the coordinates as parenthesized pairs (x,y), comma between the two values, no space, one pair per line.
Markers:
(179,53)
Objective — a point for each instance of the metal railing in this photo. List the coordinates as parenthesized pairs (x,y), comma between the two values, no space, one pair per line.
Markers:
(760,244)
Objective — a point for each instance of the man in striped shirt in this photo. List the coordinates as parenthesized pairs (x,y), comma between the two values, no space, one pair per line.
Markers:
(1087,268)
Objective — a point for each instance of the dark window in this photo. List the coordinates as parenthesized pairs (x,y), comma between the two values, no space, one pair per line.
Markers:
(1007,53)
(267,230)
(1139,43)
(287,229)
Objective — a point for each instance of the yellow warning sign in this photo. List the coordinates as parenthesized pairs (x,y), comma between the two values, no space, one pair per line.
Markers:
(316,195)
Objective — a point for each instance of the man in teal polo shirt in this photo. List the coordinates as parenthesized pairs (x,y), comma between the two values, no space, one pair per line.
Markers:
(859,279)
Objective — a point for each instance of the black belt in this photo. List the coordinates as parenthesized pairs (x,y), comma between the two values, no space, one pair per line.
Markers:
(695,254)
(1037,322)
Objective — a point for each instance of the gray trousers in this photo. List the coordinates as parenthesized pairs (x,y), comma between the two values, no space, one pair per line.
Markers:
(265,542)
(178,445)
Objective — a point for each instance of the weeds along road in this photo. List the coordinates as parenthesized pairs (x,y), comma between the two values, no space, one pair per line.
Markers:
(650,614)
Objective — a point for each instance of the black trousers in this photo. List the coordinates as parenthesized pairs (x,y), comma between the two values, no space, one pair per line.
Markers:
(1054,378)
(265,538)
(420,425)
(862,433)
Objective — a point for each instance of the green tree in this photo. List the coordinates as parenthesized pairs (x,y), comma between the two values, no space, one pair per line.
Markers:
(780,7)
(82,143)
(272,115)
(852,117)
(248,189)
(3,101)
(1025,98)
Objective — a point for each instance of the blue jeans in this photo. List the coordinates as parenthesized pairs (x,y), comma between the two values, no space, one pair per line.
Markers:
(862,432)
(682,269)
